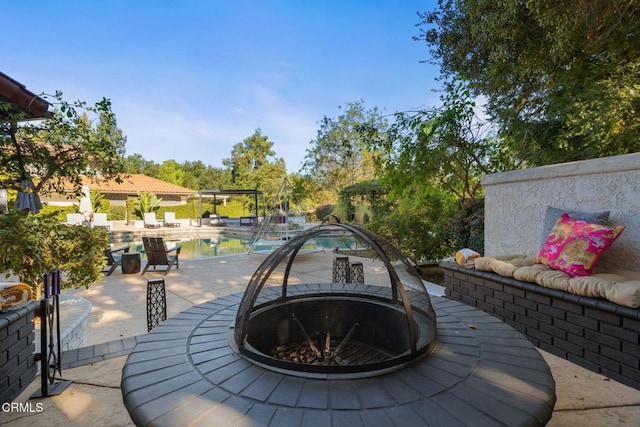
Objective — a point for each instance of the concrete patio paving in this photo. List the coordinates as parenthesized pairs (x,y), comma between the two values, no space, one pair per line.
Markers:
(119,313)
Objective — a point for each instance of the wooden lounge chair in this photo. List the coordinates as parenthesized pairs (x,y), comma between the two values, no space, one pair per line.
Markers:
(170,220)
(150,220)
(158,254)
(114,258)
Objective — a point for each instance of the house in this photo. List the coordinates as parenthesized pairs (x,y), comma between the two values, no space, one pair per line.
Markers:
(118,192)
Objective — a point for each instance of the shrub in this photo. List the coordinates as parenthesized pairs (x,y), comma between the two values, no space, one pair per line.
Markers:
(416,237)
(146,202)
(60,212)
(466,228)
(33,245)
(324,210)
(98,203)
(117,213)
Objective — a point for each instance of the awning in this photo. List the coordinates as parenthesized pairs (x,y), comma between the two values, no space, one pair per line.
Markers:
(21,100)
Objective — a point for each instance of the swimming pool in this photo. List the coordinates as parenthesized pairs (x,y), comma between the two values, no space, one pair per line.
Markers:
(210,247)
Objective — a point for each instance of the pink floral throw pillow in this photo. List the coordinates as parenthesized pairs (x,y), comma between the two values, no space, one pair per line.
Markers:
(575,246)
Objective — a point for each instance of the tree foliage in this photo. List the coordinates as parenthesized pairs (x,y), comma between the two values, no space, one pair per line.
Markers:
(561,78)
(74,140)
(253,166)
(340,155)
(305,193)
(195,175)
(33,245)
(61,148)
(448,148)
(171,171)
(249,156)
(199,176)
(431,163)
(137,164)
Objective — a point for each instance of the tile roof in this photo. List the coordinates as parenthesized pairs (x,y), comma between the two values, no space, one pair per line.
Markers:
(134,183)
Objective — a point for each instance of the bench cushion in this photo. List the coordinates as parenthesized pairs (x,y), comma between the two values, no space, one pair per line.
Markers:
(621,287)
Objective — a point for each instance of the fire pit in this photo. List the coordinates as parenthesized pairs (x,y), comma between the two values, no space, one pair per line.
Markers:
(356,330)
(288,352)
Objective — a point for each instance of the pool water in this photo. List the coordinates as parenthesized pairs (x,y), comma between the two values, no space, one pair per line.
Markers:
(209,247)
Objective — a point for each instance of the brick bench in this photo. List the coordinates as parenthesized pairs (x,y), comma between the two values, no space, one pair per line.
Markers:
(593,333)
(17,344)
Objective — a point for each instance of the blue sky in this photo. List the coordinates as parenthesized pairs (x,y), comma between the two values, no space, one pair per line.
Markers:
(190,79)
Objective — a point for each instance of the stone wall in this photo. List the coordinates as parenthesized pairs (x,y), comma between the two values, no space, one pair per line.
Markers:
(516,201)
(17,345)
(74,316)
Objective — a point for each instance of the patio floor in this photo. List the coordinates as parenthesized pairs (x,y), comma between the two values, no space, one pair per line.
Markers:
(119,315)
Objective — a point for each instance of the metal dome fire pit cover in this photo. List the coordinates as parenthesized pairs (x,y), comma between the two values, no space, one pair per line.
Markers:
(323,329)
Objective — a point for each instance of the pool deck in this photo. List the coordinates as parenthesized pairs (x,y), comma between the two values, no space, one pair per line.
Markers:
(118,320)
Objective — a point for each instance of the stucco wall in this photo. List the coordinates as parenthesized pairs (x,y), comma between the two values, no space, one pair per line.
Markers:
(516,201)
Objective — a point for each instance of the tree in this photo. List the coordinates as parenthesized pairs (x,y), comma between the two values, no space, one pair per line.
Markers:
(171,171)
(98,202)
(199,176)
(62,147)
(431,163)
(251,167)
(249,156)
(339,155)
(136,164)
(560,77)
(305,194)
(449,148)
(54,151)
(194,175)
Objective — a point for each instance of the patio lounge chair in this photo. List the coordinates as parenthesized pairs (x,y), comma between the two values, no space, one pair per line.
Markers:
(74,219)
(100,221)
(170,220)
(150,220)
(158,254)
(114,258)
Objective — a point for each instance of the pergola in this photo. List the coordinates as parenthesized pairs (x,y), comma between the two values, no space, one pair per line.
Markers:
(216,193)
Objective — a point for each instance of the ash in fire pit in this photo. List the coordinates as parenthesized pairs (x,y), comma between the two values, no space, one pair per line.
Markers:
(330,352)
(355,330)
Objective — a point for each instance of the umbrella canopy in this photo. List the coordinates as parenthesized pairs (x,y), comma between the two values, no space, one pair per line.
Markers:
(3,200)
(27,199)
(85,203)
